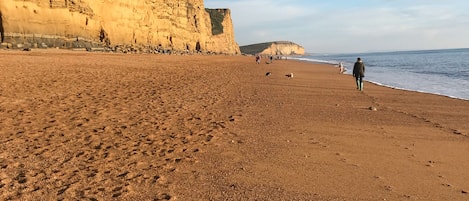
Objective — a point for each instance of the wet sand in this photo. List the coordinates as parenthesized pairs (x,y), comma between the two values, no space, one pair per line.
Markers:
(99,126)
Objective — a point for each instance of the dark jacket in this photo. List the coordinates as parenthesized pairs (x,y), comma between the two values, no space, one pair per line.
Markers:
(359,69)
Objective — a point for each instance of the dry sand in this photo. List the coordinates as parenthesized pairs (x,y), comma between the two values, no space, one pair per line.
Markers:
(98,126)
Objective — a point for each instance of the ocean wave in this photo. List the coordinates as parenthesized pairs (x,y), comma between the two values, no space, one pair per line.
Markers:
(442,72)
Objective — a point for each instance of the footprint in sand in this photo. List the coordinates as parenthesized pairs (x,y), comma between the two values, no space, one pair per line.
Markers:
(388,188)
(457,132)
(430,163)
(447,185)
(346,160)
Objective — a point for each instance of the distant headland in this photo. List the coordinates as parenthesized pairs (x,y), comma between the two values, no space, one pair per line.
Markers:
(273,48)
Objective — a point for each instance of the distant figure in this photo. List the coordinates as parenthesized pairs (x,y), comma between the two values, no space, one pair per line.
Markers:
(359,73)
(341,68)
(271,58)
(258,59)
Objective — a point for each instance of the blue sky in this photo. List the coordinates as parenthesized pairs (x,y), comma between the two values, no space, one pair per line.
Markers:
(346,26)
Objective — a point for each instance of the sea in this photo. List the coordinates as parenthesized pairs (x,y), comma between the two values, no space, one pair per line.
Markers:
(443,72)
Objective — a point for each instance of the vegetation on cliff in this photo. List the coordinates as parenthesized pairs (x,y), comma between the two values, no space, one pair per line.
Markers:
(216,18)
(2,31)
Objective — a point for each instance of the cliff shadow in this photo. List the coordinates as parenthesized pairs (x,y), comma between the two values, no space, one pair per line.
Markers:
(2,31)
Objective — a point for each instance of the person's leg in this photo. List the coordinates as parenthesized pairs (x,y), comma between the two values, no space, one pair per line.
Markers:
(361,83)
(357,80)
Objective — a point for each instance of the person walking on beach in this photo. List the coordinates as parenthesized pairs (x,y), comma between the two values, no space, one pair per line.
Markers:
(258,59)
(341,68)
(359,73)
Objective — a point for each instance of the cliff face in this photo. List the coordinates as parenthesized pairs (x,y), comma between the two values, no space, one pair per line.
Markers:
(176,25)
(274,48)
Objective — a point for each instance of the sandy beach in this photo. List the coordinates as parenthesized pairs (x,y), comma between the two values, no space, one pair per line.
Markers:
(103,126)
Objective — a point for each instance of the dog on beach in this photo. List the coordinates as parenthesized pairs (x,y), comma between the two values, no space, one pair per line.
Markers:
(289,75)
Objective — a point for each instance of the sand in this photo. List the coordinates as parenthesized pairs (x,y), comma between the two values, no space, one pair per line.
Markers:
(101,126)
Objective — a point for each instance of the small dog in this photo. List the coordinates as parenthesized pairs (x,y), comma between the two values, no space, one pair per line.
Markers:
(268,74)
(289,75)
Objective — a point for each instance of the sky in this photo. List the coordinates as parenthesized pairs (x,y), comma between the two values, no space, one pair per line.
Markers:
(351,26)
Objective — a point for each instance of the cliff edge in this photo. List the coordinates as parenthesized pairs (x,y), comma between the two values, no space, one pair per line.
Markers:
(170,25)
(274,48)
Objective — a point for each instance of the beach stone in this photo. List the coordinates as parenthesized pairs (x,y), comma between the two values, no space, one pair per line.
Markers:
(373,108)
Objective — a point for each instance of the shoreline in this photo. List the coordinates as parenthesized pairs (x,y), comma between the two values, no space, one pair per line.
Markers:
(409,90)
(380,84)
(167,127)
(49,51)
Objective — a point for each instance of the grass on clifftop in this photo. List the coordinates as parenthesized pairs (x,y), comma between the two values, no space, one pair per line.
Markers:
(255,48)
(260,47)
(216,17)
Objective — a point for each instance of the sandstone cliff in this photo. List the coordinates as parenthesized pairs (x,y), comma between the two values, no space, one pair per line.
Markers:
(274,48)
(172,25)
